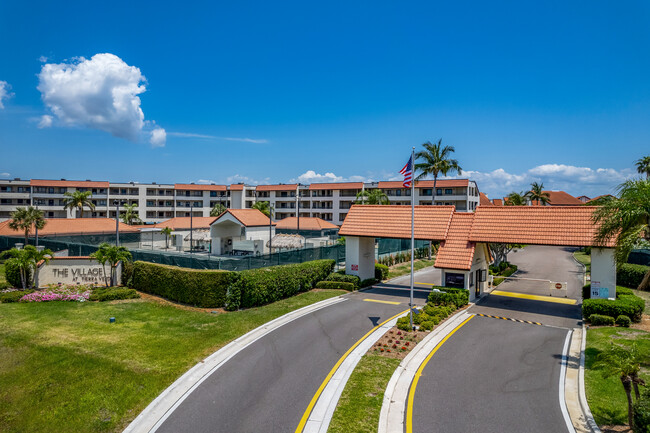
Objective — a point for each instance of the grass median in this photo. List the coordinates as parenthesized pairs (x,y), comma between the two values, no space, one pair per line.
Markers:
(63,366)
(405,268)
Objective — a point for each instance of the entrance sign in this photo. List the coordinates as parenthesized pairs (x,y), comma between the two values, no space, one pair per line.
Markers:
(74,270)
(595,289)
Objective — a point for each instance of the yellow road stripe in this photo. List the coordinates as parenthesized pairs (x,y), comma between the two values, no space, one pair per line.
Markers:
(312,403)
(426,284)
(382,302)
(418,373)
(534,297)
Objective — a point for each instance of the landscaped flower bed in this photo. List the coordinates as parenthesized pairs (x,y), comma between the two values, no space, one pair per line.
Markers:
(59,293)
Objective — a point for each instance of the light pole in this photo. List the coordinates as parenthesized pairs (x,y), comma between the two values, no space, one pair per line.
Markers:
(298,215)
(191,225)
(36,231)
(270,227)
(117,223)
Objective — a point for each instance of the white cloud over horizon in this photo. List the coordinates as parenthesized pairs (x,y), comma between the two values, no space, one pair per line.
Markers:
(216,137)
(45,121)
(98,93)
(4,93)
(5,174)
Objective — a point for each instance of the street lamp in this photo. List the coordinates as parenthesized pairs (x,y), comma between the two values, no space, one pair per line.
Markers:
(117,223)
(271,211)
(191,225)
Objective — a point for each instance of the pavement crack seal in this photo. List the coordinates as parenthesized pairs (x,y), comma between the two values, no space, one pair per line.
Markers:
(320,409)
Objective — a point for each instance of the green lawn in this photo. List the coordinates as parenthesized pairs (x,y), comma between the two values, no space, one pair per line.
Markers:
(405,268)
(606,397)
(583,258)
(64,367)
(2,273)
(359,406)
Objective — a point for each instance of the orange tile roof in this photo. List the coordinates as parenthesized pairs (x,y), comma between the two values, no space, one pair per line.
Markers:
(497,202)
(247,217)
(69,183)
(237,187)
(281,187)
(599,197)
(306,223)
(442,183)
(561,198)
(338,186)
(457,252)
(72,226)
(431,222)
(180,223)
(197,187)
(484,200)
(539,225)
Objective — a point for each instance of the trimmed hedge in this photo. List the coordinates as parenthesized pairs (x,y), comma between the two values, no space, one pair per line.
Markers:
(335,285)
(189,286)
(630,275)
(368,282)
(353,279)
(381,272)
(404,323)
(427,326)
(127,273)
(627,305)
(457,297)
(600,320)
(623,321)
(113,294)
(12,274)
(13,296)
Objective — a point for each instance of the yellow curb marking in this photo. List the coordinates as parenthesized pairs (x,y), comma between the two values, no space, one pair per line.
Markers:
(382,302)
(534,297)
(319,391)
(418,373)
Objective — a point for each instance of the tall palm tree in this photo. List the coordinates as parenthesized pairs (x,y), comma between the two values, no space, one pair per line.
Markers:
(262,206)
(113,255)
(78,200)
(373,196)
(217,210)
(26,218)
(626,219)
(167,231)
(100,256)
(643,166)
(516,199)
(537,194)
(130,215)
(27,259)
(436,160)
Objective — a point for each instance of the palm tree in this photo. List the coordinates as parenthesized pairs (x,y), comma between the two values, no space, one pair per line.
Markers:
(26,218)
(537,194)
(436,161)
(78,200)
(516,199)
(643,166)
(100,256)
(130,215)
(372,196)
(167,231)
(262,206)
(217,210)
(626,219)
(113,255)
(27,259)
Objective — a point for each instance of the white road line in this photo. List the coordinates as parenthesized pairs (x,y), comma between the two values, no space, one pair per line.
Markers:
(581,381)
(565,359)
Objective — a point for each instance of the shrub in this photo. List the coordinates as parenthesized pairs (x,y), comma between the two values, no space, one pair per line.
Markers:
(190,286)
(4,285)
(623,321)
(421,317)
(368,282)
(586,291)
(427,326)
(12,274)
(627,305)
(600,320)
(624,291)
(641,413)
(13,296)
(353,279)
(404,323)
(112,294)
(335,285)
(436,311)
(381,272)
(457,298)
(630,275)
(127,273)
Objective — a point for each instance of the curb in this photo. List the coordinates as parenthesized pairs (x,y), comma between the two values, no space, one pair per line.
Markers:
(581,385)
(162,406)
(584,269)
(393,408)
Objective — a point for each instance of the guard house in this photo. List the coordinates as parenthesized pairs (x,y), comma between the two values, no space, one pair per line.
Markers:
(241,232)
(464,238)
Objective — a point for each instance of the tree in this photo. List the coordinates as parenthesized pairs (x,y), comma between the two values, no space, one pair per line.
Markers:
(27,259)
(627,220)
(130,215)
(26,218)
(217,210)
(516,199)
(101,258)
(262,206)
(167,231)
(435,161)
(78,200)
(113,255)
(537,194)
(626,364)
(643,166)
(501,251)
(372,196)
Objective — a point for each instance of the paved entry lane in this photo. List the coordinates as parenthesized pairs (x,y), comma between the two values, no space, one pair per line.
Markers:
(493,375)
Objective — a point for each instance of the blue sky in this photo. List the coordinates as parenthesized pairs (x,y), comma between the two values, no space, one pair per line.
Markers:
(274,92)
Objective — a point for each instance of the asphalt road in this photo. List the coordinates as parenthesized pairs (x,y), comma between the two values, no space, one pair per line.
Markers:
(267,386)
(493,376)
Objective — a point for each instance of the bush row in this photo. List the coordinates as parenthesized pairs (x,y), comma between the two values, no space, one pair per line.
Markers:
(641,413)
(630,275)
(13,296)
(352,279)
(625,304)
(112,294)
(335,285)
(381,272)
(439,306)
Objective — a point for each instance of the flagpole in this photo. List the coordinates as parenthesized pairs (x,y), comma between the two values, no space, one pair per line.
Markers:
(412,230)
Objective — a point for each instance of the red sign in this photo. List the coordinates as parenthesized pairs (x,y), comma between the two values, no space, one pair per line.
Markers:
(558,285)
(354,267)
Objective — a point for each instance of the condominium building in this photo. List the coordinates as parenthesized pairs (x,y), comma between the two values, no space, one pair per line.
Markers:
(158,202)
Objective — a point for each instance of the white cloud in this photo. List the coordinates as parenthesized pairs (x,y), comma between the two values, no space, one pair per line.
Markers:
(215,137)
(310,176)
(238,178)
(5,174)
(45,121)
(4,93)
(205,182)
(158,137)
(43,59)
(99,93)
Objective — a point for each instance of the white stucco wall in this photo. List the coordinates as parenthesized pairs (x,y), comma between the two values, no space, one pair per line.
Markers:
(360,257)
(603,270)
(74,271)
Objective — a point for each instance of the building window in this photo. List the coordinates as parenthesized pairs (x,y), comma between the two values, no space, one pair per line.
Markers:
(449,191)
(50,202)
(438,191)
(213,193)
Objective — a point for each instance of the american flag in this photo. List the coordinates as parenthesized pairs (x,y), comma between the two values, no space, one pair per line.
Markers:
(407,171)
